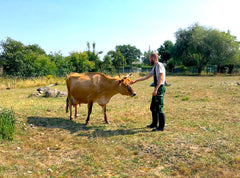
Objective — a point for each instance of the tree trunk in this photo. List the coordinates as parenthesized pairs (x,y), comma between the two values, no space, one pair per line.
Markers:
(199,70)
(230,68)
(218,68)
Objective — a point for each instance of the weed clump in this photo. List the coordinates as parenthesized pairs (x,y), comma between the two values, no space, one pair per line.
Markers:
(186,98)
(7,124)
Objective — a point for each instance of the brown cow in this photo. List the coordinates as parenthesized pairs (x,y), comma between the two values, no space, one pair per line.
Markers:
(95,87)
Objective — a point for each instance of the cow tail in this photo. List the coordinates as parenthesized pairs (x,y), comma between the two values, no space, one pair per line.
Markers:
(67,105)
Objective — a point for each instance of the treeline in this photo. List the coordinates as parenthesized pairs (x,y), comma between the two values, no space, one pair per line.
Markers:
(197,46)
(17,59)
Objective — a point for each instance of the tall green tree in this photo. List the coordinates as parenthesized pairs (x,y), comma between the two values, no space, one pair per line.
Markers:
(200,46)
(12,57)
(145,57)
(79,62)
(190,47)
(224,49)
(36,49)
(118,59)
(165,50)
(62,63)
(107,62)
(25,61)
(93,56)
(131,53)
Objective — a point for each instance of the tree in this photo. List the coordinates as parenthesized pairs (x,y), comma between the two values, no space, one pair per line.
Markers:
(36,49)
(62,63)
(190,47)
(165,51)
(25,61)
(146,55)
(199,46)
(79,62)
(117,59)
(93,56)
(107,63)
(12,57)
(44,66)
(224,50)
(131,53)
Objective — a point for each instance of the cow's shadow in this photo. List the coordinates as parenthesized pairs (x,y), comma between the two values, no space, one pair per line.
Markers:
(73,127)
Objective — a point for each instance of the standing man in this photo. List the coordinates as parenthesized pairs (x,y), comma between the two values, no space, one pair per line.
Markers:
(158,72)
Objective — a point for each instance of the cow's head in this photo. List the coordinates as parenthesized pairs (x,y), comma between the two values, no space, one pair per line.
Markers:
(125,88)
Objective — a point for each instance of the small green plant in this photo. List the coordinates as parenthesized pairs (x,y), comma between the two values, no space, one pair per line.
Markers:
(7,124)
(186,98)
(177,95)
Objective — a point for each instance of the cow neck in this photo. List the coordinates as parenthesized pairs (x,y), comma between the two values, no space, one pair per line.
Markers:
(114,86)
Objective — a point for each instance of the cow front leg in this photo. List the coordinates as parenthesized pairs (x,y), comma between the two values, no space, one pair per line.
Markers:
(67,104)
(90,104)
(105,115)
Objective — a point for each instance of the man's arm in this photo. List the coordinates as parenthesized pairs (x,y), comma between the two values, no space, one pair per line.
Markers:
(158,85)
(141,79)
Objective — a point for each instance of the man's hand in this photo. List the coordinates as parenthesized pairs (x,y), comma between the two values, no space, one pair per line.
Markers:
(132,82)
(154,93)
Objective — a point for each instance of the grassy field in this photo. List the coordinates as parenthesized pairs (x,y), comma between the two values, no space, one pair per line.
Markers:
(201,137)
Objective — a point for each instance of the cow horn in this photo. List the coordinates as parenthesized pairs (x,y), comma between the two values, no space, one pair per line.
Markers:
(127,76)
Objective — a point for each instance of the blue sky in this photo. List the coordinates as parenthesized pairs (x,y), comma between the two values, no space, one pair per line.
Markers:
(67,25)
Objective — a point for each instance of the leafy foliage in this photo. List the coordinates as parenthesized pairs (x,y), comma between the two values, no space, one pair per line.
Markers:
(117,58)
(165,51)
(25,61)
(196,47)
(130,53)
(7,124)
(145,58)
(79,62)
(199,46)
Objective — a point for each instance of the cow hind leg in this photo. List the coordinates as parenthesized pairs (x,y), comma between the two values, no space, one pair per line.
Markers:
(104,113)
(76,115)
(90,104)
(70,106)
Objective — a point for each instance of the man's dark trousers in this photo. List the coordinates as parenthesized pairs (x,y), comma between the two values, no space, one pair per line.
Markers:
(157,108)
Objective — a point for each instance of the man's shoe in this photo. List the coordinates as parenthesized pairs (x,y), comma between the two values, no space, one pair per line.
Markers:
(158,129)
(151,126)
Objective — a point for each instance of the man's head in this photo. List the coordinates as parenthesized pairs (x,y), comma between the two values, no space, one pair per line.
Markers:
(153,58)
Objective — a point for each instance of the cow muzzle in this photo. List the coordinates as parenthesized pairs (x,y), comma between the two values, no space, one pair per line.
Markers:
(134,94)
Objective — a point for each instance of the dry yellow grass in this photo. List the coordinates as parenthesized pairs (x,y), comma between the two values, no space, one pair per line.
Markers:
(201,138)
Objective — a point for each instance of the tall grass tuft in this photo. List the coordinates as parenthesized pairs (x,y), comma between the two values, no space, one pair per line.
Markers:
(11,82)
(7,124)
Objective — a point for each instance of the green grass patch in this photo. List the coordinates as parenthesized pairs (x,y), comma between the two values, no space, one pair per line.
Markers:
(7,124)
(201,136)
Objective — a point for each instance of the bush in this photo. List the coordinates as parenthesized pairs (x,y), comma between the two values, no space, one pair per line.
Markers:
(7,124)
(170,65)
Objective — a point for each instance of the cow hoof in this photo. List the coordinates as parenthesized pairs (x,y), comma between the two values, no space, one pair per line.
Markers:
(86,123)
(71,118)
(107,122)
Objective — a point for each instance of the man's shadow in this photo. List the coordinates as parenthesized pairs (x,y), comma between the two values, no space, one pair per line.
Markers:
(73,127)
